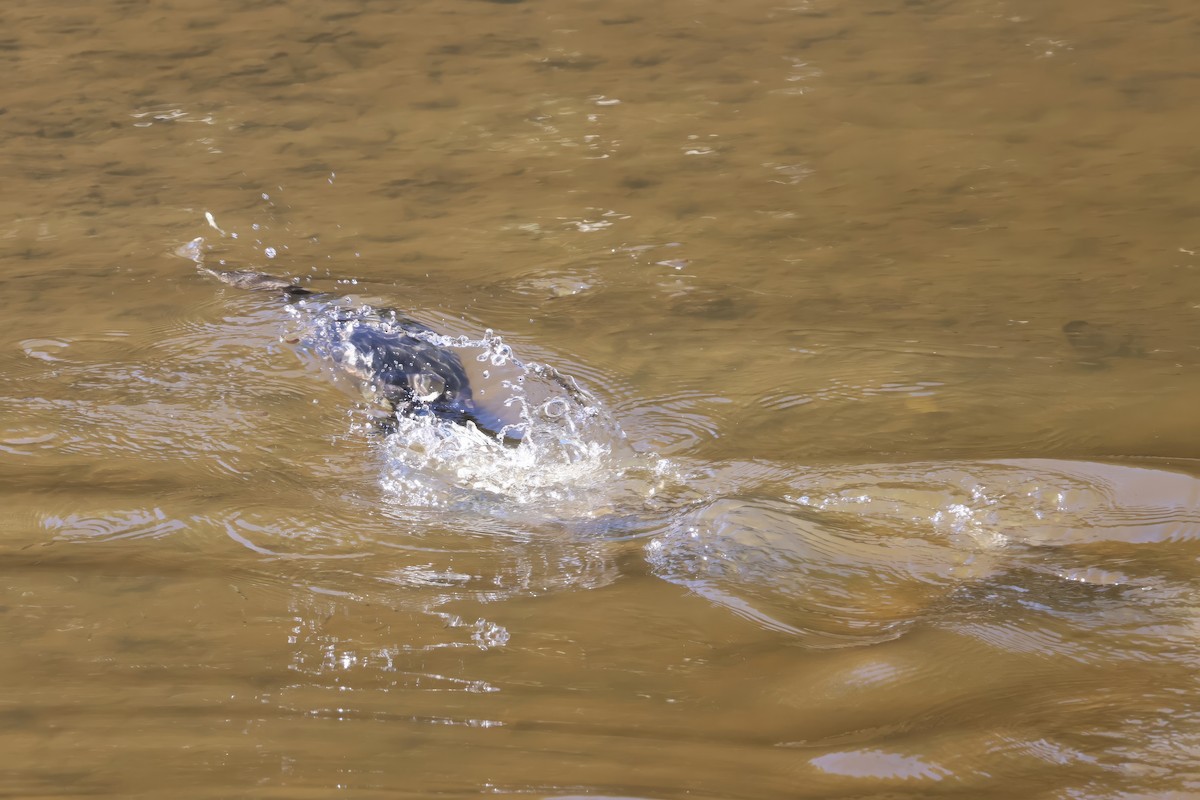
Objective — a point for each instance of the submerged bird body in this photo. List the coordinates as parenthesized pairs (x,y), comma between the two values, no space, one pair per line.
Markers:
(400,366)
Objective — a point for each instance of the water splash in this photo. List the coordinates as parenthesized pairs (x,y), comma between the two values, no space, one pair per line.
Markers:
(560,455)
(533,445)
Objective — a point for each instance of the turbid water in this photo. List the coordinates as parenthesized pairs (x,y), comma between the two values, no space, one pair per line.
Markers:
(855,350)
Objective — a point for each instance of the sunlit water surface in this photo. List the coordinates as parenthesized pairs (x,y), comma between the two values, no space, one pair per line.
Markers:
(849,355)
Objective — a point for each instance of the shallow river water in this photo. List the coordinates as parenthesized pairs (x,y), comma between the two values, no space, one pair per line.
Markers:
(856,348)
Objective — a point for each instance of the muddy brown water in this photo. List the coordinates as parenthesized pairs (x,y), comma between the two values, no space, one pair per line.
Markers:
(895,303)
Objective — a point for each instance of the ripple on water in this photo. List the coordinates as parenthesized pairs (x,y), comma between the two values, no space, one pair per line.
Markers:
(542,285)
(150,523)
(26,440)
(672,424)
(855,555)
(44,349)
(879,764)
(1029,502)
(795,571)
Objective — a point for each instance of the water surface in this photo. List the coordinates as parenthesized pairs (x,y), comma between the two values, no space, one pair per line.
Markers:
(880,478)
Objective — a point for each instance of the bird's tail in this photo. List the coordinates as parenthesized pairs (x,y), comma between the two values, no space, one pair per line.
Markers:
(257,281)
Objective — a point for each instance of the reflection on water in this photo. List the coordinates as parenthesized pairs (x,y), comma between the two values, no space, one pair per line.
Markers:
(853,351)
